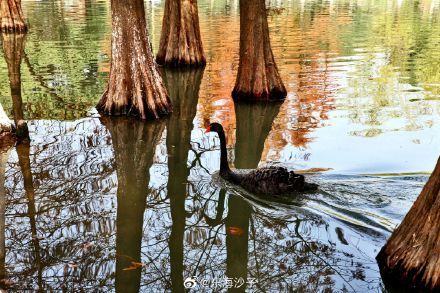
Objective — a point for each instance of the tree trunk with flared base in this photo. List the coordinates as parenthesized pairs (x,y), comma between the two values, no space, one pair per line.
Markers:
(11,16)
(411,257)
(135,86)
(13,48)
(180,41)
(258,77)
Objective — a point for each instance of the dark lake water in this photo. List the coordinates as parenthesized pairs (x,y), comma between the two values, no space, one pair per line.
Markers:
(99,204)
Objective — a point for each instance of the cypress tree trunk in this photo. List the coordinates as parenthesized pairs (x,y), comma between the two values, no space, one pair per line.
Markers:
(13,48)
(135,86)
(180,41)
(11,16)
(411,257)
(258,77)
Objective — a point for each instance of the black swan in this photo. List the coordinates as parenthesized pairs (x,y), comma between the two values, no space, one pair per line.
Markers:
(263,181)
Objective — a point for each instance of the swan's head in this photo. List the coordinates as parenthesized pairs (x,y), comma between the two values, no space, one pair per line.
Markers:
(214,127)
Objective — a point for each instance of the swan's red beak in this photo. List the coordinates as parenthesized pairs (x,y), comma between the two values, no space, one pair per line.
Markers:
(208,129)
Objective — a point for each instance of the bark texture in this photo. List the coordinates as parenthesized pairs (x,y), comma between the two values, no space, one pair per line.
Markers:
(135,86)
(180,41)
(13,48)
(411,257)
(134,143)
(11,16)
(184,89)
(258,77)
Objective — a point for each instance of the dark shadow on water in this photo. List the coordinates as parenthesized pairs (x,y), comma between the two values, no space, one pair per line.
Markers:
(183,88)
(254,122)
(134,144)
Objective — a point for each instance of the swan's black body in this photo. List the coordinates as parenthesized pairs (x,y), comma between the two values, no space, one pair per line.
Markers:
(263,181)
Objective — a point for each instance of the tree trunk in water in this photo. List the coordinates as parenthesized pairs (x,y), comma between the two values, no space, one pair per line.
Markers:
(180,41)
(135,86)
(13,48)
(411,257)
(134,144)
(257,77)
(11,16)
(184,88)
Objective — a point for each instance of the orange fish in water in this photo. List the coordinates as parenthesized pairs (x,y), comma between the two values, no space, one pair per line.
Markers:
(236,231)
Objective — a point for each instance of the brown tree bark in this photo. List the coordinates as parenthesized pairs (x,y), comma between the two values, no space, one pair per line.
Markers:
(135,86)
(180,41)
(11,16)
(411,257)
(257,77)
(13,48)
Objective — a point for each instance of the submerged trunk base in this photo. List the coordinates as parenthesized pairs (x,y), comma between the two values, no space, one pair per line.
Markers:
(176,62)
(273,95)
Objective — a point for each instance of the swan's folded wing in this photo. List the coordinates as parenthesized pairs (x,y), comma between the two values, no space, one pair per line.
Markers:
(270,180)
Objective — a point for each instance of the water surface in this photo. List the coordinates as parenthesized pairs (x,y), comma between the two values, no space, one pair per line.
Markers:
(122,205)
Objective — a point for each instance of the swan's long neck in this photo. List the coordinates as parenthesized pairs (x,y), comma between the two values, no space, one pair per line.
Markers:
(224,166)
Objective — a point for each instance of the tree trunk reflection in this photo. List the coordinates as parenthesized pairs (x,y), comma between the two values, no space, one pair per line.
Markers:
(183,87)
(13,48)
(134,144)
